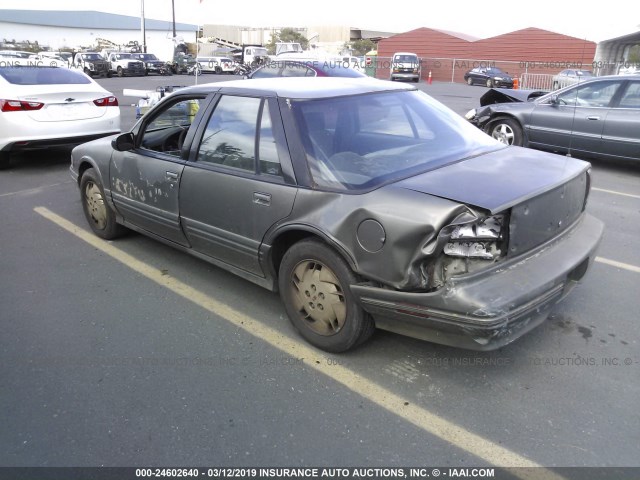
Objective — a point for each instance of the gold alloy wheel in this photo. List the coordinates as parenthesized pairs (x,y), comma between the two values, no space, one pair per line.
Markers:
(95,205)
(318,297)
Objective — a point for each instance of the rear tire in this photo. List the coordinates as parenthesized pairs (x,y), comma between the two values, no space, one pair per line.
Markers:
(99,215)
(314,282)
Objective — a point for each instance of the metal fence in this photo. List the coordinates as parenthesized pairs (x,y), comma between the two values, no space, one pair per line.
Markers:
(536,81)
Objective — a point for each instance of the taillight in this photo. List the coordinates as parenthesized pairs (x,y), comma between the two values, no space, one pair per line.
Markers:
(106,102)
(480,239)
(19,106)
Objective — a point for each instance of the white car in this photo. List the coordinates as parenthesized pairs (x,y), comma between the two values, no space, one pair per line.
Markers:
(41,107)
(29,59)
(570,76)
(354,62)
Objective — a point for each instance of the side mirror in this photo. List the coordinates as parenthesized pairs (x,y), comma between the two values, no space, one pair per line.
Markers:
(554,100)
(123,142)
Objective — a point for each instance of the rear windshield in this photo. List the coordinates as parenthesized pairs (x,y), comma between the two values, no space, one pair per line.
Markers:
(339,69)
(42,76)
(363,141)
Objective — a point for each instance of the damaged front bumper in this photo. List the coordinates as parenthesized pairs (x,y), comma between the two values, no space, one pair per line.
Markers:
(489,309)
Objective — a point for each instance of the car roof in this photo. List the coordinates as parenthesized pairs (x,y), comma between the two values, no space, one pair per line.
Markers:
(304,87)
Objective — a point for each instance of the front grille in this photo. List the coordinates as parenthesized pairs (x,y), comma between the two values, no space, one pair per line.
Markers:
(543,217)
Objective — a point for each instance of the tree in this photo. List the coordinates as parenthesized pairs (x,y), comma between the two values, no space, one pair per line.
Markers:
(286,35)
(634,55)
(360,47)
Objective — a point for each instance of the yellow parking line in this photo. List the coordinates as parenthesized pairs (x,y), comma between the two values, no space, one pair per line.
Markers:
(420,417)
(613,263)
(615,193)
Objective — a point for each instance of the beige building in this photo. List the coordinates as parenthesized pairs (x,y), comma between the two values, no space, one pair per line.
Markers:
(328,38)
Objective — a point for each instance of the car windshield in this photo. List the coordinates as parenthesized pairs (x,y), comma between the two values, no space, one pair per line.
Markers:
(364,141)
(495,71)
(405,59)
(91,56)
(148,56)
(42,76)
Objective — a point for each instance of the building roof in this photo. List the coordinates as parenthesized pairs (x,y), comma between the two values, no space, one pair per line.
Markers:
(461,36)
(87,19)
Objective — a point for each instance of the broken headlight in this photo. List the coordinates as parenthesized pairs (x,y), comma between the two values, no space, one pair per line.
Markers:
(480,239)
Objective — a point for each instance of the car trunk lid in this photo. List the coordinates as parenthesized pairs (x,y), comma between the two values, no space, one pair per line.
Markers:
(64,103)
(498,180)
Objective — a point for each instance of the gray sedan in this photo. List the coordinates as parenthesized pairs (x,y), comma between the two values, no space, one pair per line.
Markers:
(598,118)
(364,203)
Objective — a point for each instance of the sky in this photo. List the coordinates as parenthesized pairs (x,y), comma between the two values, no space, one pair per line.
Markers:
(472,17)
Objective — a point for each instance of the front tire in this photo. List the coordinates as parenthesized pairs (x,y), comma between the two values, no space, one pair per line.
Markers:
(99,215)
(507,131)
(314,282)
(489,83)
(469,81)
(120,72)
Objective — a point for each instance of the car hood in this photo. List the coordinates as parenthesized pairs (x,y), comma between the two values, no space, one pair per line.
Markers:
(498,180)
(504,95)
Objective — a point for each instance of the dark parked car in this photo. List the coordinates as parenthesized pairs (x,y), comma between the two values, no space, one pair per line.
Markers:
(152,64)
(365,203)
(598,118)
(307,68)
(489,76)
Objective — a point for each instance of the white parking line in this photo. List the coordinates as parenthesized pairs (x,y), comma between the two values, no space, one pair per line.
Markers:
(615,193)
(394,403)
(614,263)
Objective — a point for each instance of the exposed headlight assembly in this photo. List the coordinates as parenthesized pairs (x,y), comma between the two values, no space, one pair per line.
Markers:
(470,114)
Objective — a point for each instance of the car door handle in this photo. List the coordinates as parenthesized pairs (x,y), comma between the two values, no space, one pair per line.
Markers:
(593,117)
(172,175)
(262,198)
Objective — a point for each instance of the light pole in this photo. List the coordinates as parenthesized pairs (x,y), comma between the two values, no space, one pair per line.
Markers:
(173,12)
(143,28)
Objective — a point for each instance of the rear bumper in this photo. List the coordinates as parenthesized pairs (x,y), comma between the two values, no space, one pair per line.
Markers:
(492,308)
(26,145)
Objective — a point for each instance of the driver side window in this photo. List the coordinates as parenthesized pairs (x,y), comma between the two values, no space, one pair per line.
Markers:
(166,132)
(597,94)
